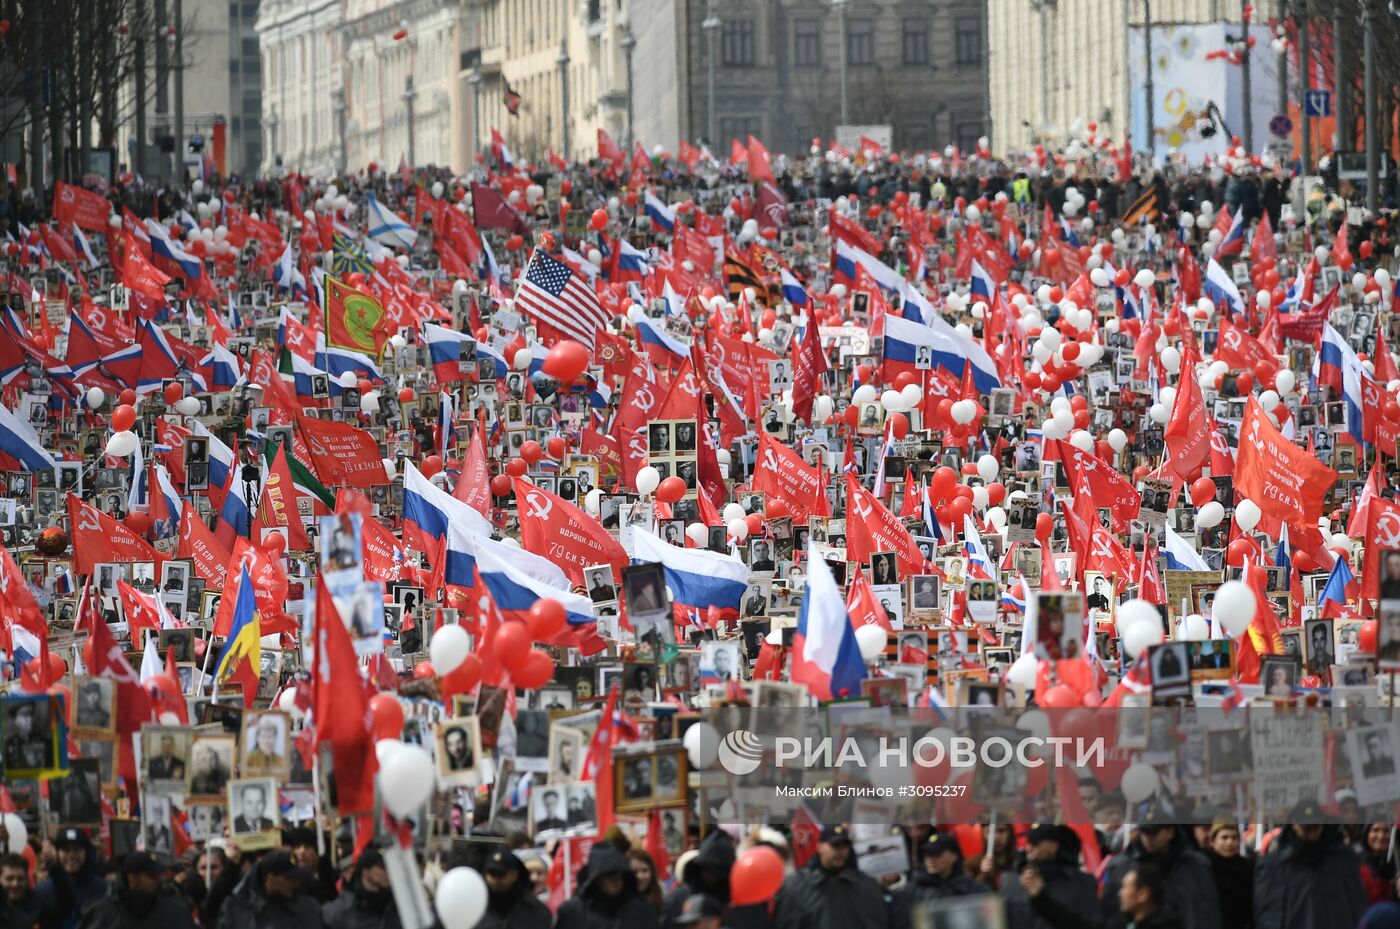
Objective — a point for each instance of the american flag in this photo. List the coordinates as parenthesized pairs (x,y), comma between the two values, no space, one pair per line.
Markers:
(554,295)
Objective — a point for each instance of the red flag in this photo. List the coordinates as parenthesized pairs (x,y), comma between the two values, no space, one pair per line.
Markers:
(140,275)
(781,472)
(598,764)
(1386,370)
(356,320)
(1341,248)
(269,586)
(1283,479)
(608,149)
(339,705)
(656,846)
(861,605)
(1108,487)
(553,527)
(806,832)
(98,537)
(105,658)
(72,204)
(341,453)
(17,604)
(473,485)
(278,509)
(1262,247)
(772,211)
(871,528)
(1187,436)
(808,364)
(493,211)
(197,543)
(142,612)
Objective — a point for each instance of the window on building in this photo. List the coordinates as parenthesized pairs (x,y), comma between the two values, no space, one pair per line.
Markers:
(736,42)
(250,48)
(968,37)
(968,133)
(807,43)
(595,10)
(860,41)
(738,127)
(916,41)
(916,136)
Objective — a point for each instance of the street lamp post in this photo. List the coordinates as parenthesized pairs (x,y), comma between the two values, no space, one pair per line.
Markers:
(629,42)
(1042,7)
(338,104)
(475,81)
(272,123)
(563,62)
(1373,145)
(1245,78)
(711,27)
(841,22)
(1304,79)
(1151,88)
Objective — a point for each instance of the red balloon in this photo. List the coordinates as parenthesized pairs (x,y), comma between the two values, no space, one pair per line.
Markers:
(756,876)
(1304,562)
(431,465)
(531,451)
(546,618)
(1366,637)
(556,446)
(517,467)
(464,677)
(173,392)
(1238,552)
(755,523)
(670,490)
(566,361)
(959,508)
(511,644)
(127,397)
(944,480)
(1245,383)
(996,492)
(775,508)
(548,242)
(1044,525)
(515,243)
(386,714)
(274,543)
(535,670)
(123,417)
(1202,491)
(500,485)
(599,220)
(424,670)
(137,522)
(904,379)
(1059,697)
(405,394)
(899,425)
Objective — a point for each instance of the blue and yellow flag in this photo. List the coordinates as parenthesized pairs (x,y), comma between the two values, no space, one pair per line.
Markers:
(348,256)
(242,657)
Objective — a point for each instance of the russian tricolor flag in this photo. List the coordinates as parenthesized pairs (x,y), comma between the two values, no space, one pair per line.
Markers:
(235,518)
(165,247)
(698,578)
(655,338)
(515,591)
(337,361)
(906,341)
(631,263)
(302,373)
(221,458)
(445,351)
(1180,555)
(19,440)
(659,213)
(979,563)
(429,510)
(982,284)
(1341,585)
(1337,366)
(848,257)
(222,367)
(1233,243)
(1221,289)
(465,545)
(793,291)
(826,657)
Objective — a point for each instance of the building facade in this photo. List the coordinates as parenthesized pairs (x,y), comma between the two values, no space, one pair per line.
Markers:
(303,96)
(1057,61)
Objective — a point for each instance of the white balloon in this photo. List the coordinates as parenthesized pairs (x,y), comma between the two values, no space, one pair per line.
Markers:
(522,358)
(1285,381)
(1268,400)
(1139,782)
(369,404)
(911,395)
(461,899)
(95,398)
(187,406)
(648,478)
(1159,413)
(1195,628)
(964,412)
(865,393)
(1051,338)
(1247,515)
(348,379)
(733,511)
(1210,515)
(1171,359)
(997,517)
(1082,440)
(406,780)
(979,497)
(697,533)
(1117,439)
(449,648)
(892,401)
(1023,670)
(701,745)
(1234,607)
(390,466)
(988,468)
(739,529)
(1144,279)
(286,702)
(18,834)
(871,640)
(122,444)
(593,501)
(822,408)
(1099,277)
(1139,626)
(1064,422)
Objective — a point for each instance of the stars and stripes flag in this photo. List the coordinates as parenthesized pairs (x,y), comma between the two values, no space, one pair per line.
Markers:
(554,295)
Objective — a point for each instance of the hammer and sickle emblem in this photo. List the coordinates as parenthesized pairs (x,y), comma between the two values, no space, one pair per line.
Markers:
(770,460)
(1232,339)
(540,505)
(1388,527)
(645,398)
(863,506)
(689,386)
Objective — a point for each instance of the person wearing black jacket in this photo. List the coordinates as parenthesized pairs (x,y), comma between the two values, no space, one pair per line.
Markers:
(831,892)
(511,903)
(1190,881)
(707,873)
(19,904)
(607,896)
(141,901)
(366,902)
(1309,878)
(1051,891)
(321,877)
(1234,875)
(270,896)
(939,874)
(73,885)
(1142,900)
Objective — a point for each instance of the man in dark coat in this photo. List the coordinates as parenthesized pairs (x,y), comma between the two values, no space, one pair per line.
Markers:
(1190,880)
(607,896)
(19,904)
(366,902)
(707,873)
(141,900)
(74,885)
(1051,892)
(270,896)
(1142,900)
(511,903)
(830,892)
(938,874)
(1309,879)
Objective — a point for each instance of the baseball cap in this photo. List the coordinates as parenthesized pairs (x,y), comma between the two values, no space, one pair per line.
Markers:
(1043,832)
(834,834)
(141,863)
(278,862)
(70,837)
(938,843)
(500,862)
(1307,813)
(698,907)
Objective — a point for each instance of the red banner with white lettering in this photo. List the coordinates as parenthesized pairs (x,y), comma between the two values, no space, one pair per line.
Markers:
(554,528)
(1108,487)
(871,528)
(99,538)
(198,544)
(781,472)
(341,453)
(76,205)
(1283,479)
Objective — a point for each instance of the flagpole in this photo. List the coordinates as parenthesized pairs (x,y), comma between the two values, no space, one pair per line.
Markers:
(204,672)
